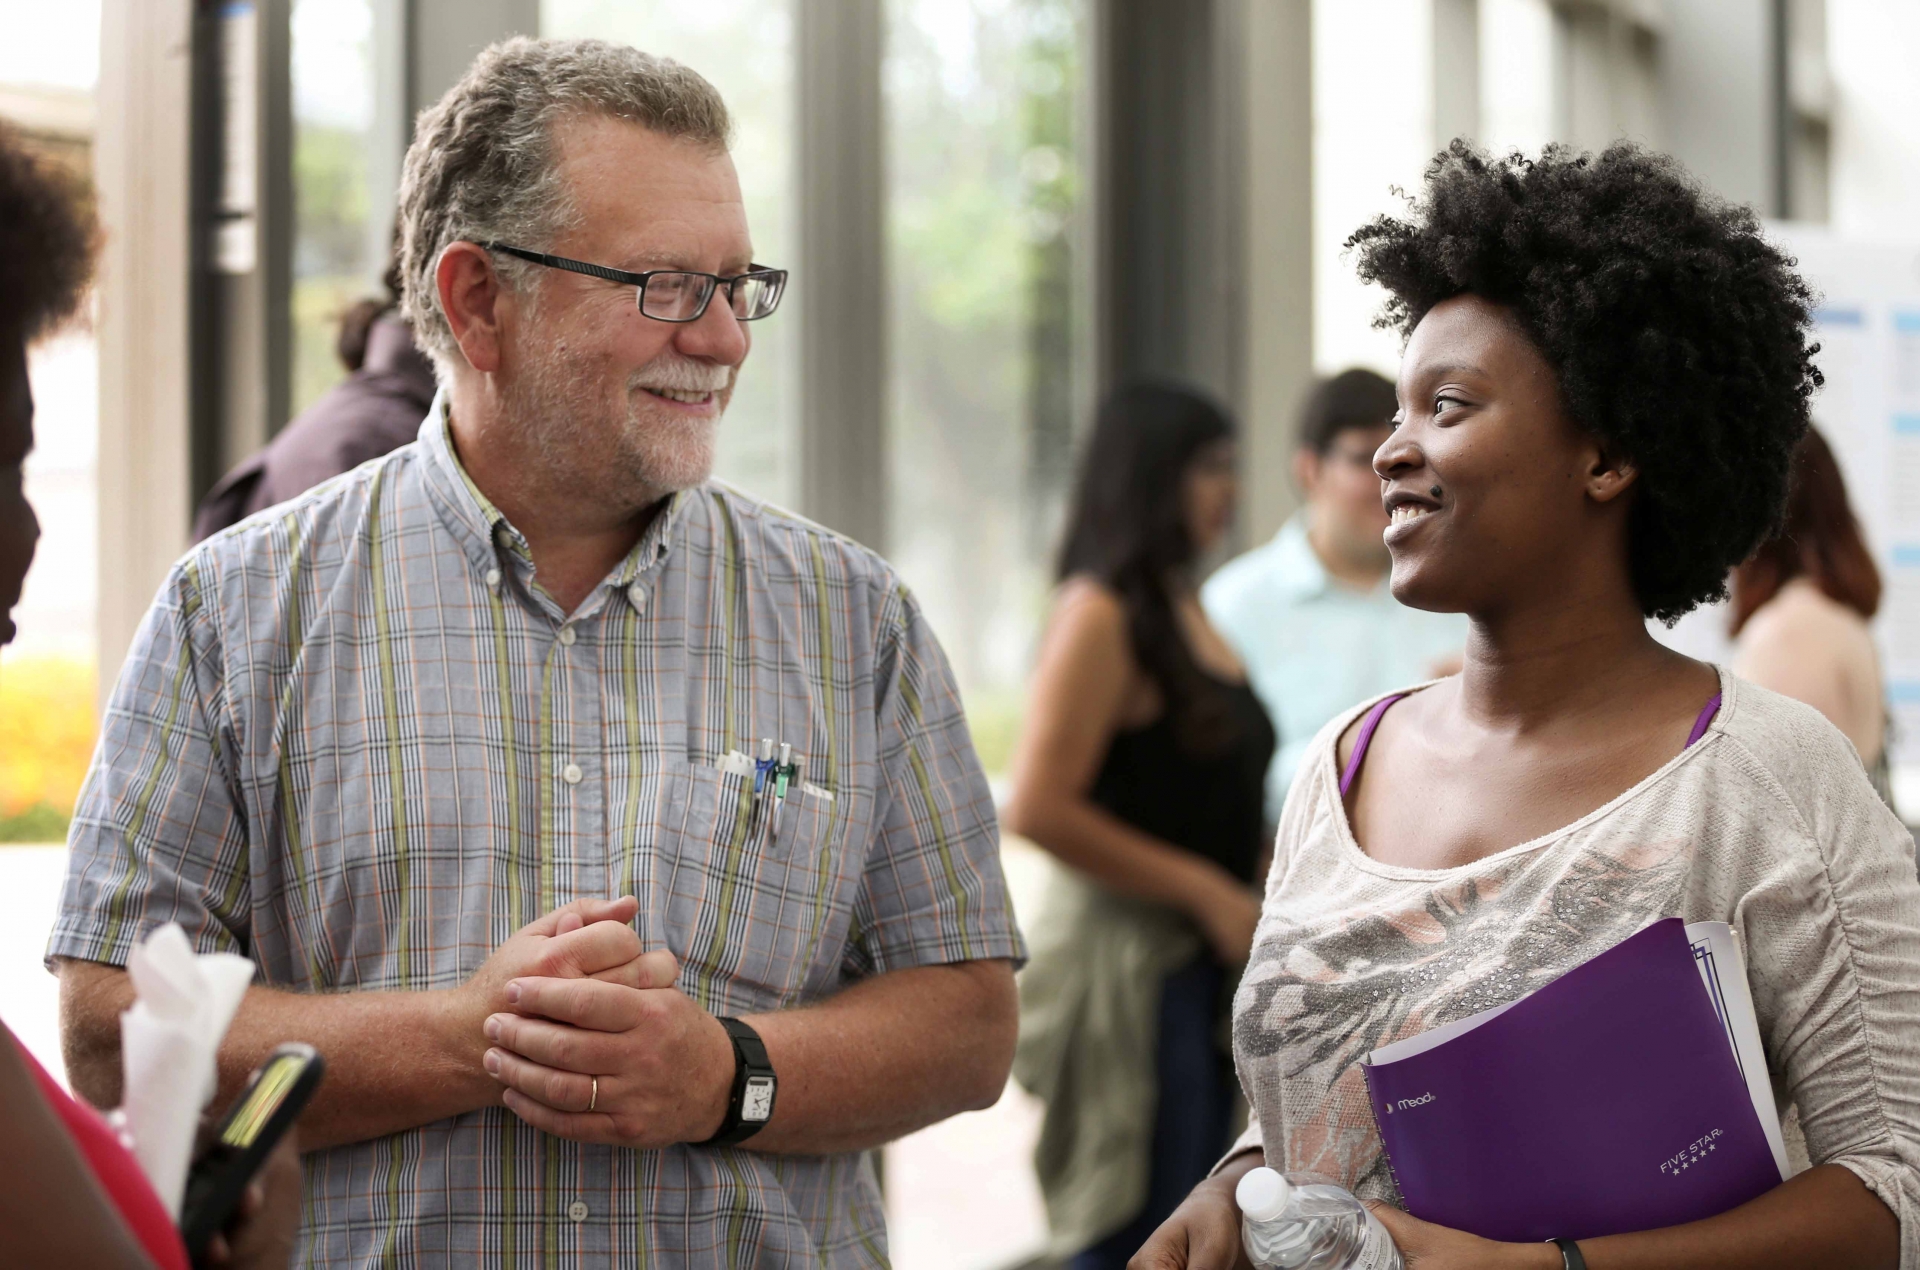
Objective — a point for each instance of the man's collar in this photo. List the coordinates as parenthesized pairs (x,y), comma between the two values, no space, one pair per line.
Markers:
(1296,566)
(479,526)
(1299,569)
(483,530)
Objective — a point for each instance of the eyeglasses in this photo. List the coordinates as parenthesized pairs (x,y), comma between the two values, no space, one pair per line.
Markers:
(1359,460)
(677,295)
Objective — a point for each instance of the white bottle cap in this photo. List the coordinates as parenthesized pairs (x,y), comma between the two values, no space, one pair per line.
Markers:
(1263,1194)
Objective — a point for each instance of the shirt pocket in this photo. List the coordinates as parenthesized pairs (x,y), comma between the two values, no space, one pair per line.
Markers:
(757,889)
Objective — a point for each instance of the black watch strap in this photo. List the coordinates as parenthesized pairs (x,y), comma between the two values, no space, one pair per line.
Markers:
(1570,1258)
(750,1103)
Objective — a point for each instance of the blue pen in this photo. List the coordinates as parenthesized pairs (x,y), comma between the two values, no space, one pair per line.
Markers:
(764,767)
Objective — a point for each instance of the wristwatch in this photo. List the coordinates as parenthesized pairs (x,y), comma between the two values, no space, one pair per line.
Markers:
(1570,1258)
(750,1104)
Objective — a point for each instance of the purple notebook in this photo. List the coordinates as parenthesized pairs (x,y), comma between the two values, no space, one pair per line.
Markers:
(1622,1096)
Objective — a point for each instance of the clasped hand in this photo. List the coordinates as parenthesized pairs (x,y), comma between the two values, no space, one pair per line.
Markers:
(590,1005)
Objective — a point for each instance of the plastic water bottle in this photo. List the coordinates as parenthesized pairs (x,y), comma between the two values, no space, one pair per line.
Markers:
(1304,1222)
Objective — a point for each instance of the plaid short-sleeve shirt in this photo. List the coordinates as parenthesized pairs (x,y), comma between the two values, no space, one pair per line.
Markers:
(357,742)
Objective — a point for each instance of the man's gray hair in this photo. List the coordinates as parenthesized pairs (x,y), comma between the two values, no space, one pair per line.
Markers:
(482,166)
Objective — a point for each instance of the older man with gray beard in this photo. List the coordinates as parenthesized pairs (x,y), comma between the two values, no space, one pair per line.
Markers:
(616,836)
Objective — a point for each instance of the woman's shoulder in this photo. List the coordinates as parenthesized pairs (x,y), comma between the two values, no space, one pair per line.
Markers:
(1081,597)
(1774,725)
(1342,732)
(1790,746)
(1803,620)
(1087,613)
(1088,628)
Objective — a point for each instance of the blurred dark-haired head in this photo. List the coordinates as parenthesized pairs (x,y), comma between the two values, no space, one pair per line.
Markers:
(47,235)
(1154,492)
(46,258)
(1819,540)
(1356,398)
(356,323)
(1344,420)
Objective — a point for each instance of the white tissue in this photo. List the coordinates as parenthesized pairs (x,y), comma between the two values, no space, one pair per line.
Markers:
(183,1001)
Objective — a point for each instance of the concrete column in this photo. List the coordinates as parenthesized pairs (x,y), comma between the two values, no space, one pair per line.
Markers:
(840,282)
(242,141)
(1167,222)
(1204,214)
(1456,70)
(421,48)
(392,129)
(1277,270)
(1717,73)
(141,169)
(444,36)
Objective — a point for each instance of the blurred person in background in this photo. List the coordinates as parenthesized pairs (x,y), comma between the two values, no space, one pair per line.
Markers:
(71,1194)
(1310,613)
(375,410)
(1140,768)
(1605,378)
(1801,605)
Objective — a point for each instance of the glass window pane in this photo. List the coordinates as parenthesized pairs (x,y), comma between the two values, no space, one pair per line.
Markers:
(987,338)
(983,187)
(338,253)
(745,48)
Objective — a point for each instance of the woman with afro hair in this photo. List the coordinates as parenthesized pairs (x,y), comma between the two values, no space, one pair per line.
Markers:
(1605,376)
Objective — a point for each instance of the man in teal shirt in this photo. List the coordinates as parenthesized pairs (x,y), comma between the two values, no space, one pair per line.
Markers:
(1309,612)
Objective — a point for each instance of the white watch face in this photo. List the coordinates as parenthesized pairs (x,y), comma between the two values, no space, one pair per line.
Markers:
(756,1104)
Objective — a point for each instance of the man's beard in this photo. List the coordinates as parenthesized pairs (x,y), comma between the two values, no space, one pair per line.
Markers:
(629,453)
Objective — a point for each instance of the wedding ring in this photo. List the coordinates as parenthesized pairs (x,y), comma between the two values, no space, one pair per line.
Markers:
(594,1099)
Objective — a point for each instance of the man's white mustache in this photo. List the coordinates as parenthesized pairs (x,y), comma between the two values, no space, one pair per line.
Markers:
(682,374)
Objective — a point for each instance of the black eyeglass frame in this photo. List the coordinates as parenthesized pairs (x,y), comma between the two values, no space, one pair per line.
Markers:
(777,277)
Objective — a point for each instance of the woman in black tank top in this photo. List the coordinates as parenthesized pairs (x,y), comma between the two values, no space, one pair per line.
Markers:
(1141,769)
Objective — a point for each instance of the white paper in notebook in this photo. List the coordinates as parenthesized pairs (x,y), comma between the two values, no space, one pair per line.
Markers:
(1725,974)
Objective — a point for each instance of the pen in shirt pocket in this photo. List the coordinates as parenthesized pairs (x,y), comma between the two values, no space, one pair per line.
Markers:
(773,777)
(785,773)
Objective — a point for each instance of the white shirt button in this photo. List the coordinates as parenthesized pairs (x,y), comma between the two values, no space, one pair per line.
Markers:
(493,578)
(567,636)
(637,596)
(570,773)
(577,1210)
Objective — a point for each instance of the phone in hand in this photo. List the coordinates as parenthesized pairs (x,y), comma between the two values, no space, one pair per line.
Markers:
(275,1095)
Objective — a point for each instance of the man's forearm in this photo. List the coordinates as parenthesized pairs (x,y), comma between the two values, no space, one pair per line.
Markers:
(394,1059)
(889,1056)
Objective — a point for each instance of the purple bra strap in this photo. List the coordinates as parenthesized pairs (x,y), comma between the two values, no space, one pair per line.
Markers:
(1705,721)
(1359,755)
(1372,721)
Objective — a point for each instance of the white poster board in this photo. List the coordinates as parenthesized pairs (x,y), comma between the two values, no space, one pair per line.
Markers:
(1868,328)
